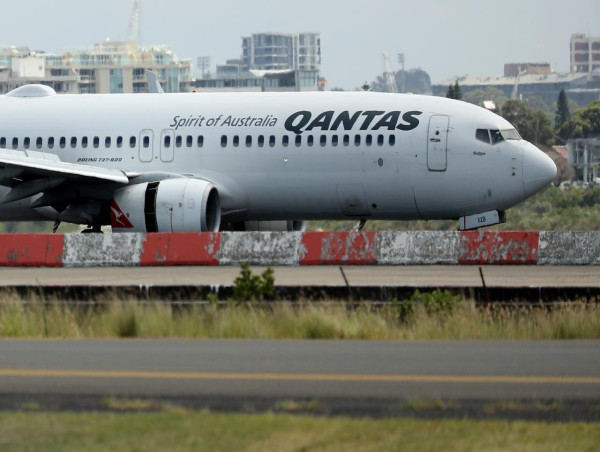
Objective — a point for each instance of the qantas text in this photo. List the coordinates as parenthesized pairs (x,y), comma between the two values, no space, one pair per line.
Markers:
(369,120)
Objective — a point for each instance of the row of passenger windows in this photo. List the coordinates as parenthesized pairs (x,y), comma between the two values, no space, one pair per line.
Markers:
(51,142)
(261,140)
(333,140)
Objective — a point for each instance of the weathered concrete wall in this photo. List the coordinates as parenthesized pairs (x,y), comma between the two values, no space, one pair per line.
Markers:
(490,247)
(569,248)
(260,248)
(102,250)
(302,248)
(427,248)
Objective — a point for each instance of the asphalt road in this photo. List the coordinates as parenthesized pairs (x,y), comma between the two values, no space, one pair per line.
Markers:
(392,276)
(489,370)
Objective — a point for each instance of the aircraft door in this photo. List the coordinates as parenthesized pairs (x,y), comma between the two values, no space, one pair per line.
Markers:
(437,143)
(167,145)
(146,146)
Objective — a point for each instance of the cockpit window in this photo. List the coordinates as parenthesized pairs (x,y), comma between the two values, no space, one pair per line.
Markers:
(510,134)
(496,136)
(483,135)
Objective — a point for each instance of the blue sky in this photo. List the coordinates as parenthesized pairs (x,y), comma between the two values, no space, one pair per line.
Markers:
(446,38)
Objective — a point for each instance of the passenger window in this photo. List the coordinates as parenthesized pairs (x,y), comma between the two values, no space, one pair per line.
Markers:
(236,141)
(334,140)
(63,142)
(380,140)
(200,141)
(298,140)
(146,141)
(392,140)
(119,142)
(261,141)
(272,140)
(50,143)
(310,140)
(323,140)
(346,140)
(369,140)
(189,141)
(356,140)
(38,143)
(248,141)
(483,135)
(26,143)
(84,142)
(3,142)
(223,141)
(496,136)
(107,142)
(285,140)
(167,141)
(96,142)
(178,141)
(73,142)
(15,143)
(132,142)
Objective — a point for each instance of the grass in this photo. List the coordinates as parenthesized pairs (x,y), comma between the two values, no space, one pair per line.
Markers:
(424,316)
(204,431)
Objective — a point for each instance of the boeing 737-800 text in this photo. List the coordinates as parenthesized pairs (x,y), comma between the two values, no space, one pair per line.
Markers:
(257,161)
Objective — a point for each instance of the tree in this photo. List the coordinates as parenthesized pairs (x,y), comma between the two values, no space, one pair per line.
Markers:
(585,123)
(533,125)
(457,92)
(450,92)
(562,110)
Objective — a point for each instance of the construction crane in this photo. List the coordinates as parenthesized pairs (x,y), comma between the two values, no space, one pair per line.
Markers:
(133,33)
(389,78)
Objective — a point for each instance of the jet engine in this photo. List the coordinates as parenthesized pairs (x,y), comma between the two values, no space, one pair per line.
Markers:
(173,205)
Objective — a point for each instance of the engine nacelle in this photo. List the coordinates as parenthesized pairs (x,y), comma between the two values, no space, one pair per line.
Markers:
(278,226)
(173,205)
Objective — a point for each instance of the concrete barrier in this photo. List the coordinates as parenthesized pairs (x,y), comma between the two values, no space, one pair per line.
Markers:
(301,248)
(260,248)
(31,250)
(569,248)
(490,247)
(333,248)
(181,249)
(425,247)
(102,250)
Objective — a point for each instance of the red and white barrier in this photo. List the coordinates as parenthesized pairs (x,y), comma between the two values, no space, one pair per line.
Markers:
(301,248)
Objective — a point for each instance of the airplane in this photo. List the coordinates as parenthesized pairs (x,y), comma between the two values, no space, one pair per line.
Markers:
(192,162)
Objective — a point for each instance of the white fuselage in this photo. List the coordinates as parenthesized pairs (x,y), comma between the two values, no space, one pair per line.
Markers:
(256,149)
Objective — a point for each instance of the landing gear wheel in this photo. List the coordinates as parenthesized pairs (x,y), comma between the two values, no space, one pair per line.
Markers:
(94,229)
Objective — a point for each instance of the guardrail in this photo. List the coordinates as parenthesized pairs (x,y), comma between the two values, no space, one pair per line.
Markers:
(302,248)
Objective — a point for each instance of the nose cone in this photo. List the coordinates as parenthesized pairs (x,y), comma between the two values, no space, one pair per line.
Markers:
(538,170)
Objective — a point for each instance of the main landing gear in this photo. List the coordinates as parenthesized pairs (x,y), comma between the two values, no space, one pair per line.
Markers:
(92,229)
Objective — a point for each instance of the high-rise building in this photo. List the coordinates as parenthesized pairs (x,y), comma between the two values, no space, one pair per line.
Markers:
(281,51)
(585,54)
(109,67)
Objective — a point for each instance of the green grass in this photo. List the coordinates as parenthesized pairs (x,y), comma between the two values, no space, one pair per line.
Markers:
(270,432)
(424,316)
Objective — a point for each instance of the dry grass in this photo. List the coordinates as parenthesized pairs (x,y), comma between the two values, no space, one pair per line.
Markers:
(456,319)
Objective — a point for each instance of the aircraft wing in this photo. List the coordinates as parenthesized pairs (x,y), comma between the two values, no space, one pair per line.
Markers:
(28,173)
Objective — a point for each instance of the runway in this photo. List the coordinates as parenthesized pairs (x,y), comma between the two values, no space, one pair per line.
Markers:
(358,276)
(374,375)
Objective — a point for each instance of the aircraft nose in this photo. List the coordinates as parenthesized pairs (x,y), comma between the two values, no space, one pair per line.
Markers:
(538,170)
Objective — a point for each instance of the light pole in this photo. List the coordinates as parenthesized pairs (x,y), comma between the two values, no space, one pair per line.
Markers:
(401,61)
